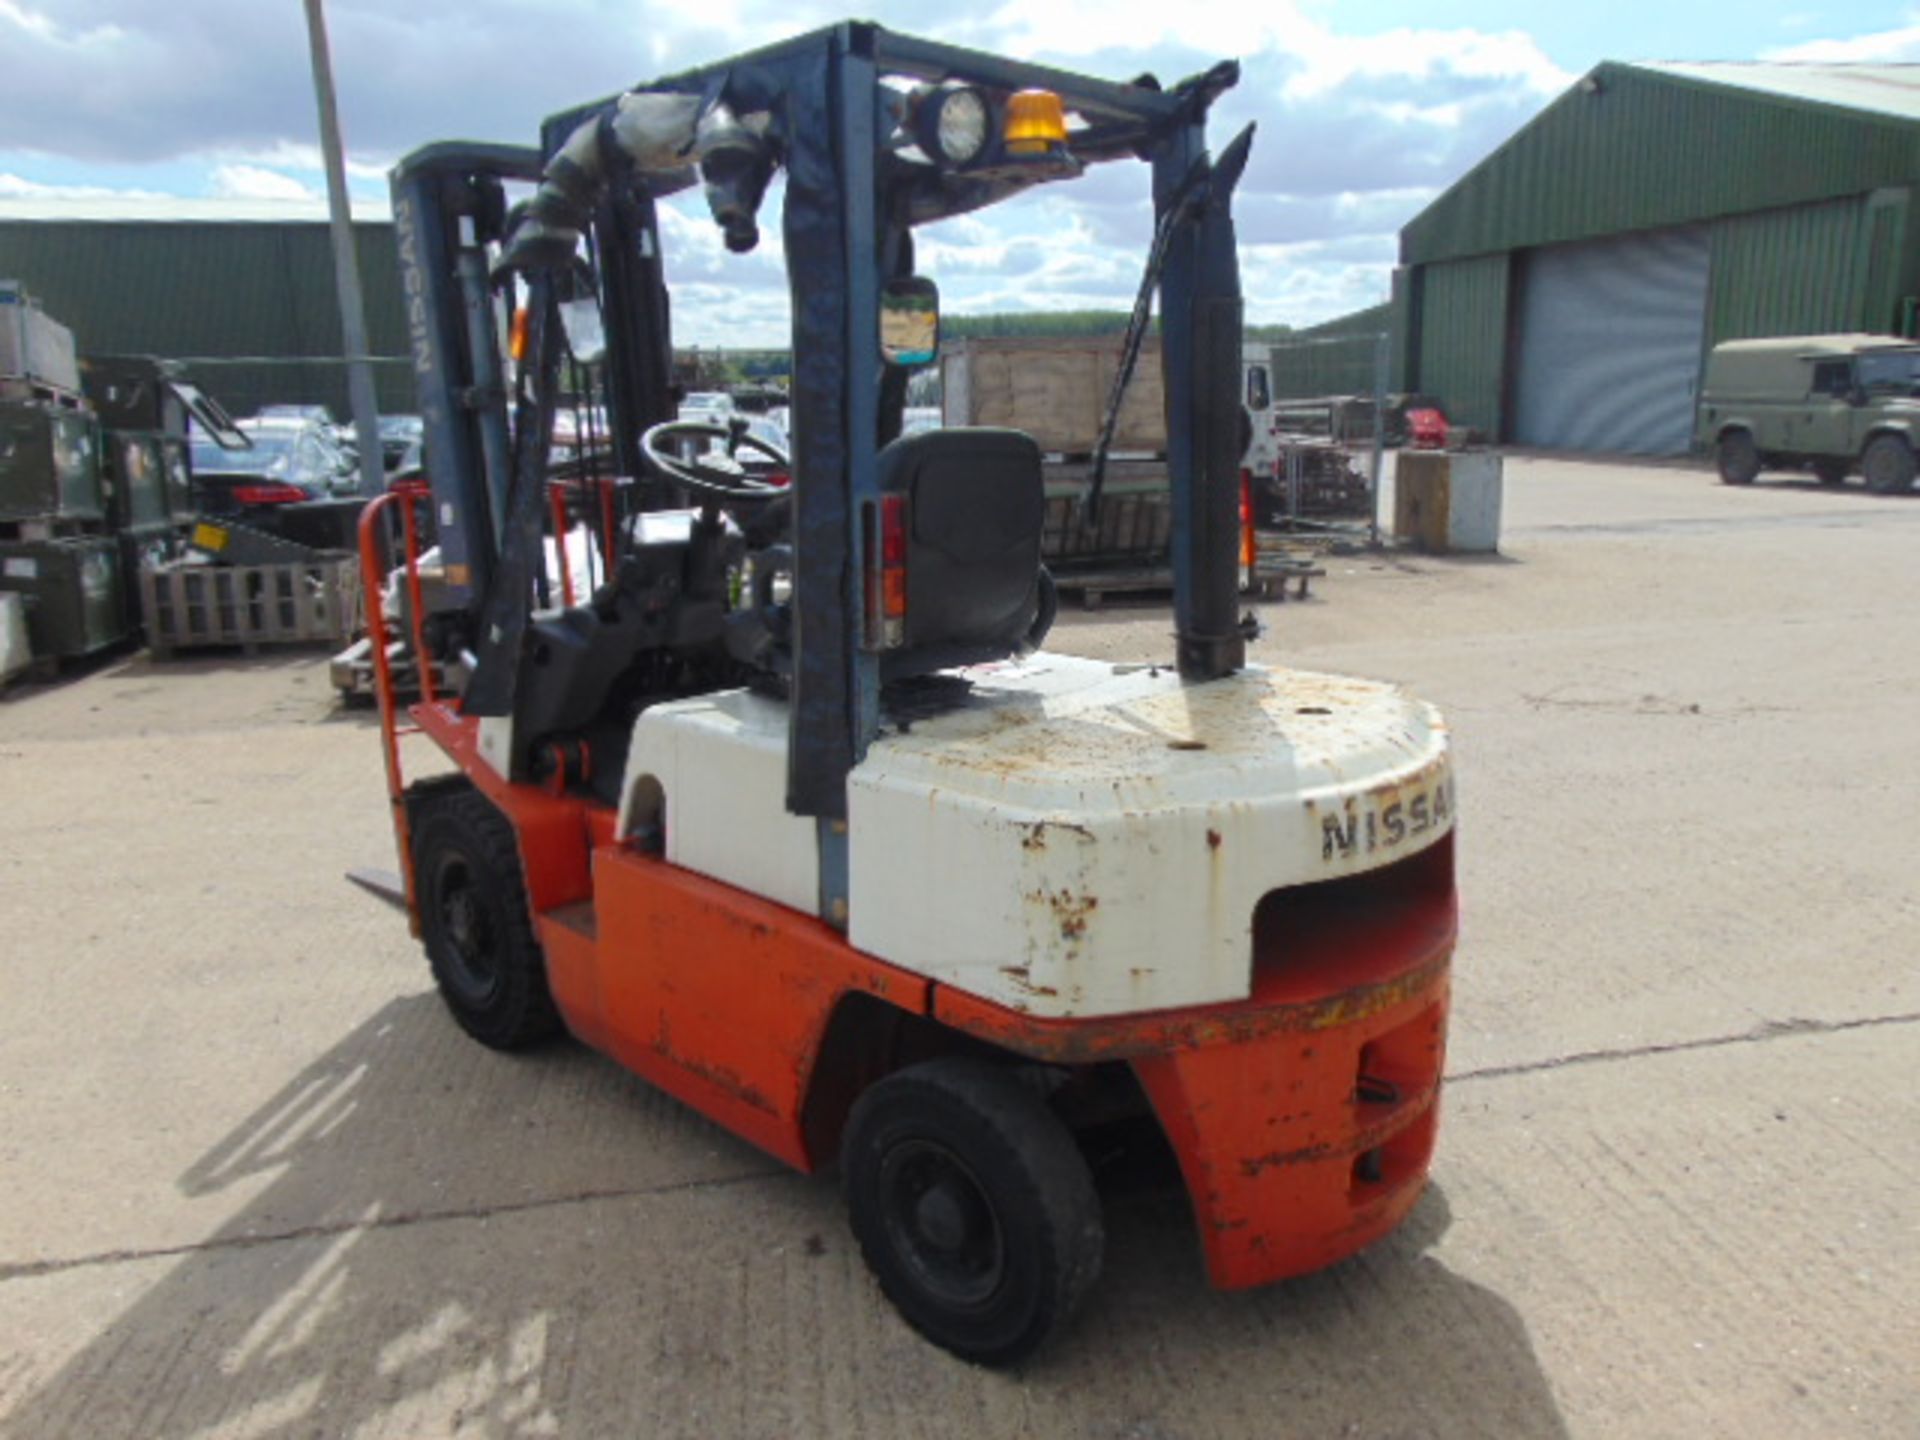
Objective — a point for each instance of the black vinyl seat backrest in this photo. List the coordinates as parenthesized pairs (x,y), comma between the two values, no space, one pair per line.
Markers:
(975,512)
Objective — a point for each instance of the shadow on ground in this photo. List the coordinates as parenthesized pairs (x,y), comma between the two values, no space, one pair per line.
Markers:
(459,1279)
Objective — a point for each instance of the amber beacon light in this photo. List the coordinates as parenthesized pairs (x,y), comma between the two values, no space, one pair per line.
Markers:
(1036,122)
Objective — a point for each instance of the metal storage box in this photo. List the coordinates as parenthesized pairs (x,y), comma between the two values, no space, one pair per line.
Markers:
(142,392)
(176,459)
(16,654)
(34,347)
(134,392)
(1446,501)
(49,463)
(136,480)
(75,605)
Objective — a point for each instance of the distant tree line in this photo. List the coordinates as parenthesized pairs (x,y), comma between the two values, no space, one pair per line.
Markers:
(705,368)
(1049,323)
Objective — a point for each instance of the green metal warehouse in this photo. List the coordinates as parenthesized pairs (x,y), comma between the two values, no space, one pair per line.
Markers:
(210,278)
(1565,291)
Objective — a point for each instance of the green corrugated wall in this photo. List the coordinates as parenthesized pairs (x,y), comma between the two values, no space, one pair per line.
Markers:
(181,288)
(1786,272)
(1306,365)
(1644,151)
(1401,361)
(1461,341)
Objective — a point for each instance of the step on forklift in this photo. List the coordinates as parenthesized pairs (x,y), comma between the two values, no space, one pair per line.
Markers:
(795,815)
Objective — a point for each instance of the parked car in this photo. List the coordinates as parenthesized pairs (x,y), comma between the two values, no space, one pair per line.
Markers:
(1831,404)
(708,400)
(400,436)
(291,461)
(318,414)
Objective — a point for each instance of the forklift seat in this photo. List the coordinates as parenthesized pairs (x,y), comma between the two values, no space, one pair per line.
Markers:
(975,511)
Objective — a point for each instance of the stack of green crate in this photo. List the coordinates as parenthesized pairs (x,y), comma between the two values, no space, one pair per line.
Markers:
(57,546)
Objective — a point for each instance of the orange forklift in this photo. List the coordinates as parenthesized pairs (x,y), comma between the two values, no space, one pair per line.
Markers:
(794,814)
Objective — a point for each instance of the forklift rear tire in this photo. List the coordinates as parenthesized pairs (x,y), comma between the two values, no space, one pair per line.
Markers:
(972,1206)
(475,924)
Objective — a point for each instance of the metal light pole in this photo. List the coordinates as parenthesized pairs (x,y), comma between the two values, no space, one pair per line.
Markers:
(346,267)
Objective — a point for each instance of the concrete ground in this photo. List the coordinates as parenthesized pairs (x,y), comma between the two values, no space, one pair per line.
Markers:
(256,1185)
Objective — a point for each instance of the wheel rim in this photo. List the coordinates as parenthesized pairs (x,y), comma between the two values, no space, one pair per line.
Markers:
(466,927)
(941,1224)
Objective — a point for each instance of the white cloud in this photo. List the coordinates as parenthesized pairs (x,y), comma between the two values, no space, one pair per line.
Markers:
(16,187)
(31,21)
(1881,45)
(286,154)
(255,182)
(1332,60)
(39,25)
(1356,129)
(1324,58)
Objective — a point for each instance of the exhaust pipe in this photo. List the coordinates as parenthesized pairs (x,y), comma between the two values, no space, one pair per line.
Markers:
(670,138)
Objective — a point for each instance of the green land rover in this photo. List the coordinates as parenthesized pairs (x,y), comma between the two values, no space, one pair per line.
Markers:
(1831,404)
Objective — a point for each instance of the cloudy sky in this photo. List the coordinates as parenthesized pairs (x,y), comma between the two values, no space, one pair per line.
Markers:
(1367,109)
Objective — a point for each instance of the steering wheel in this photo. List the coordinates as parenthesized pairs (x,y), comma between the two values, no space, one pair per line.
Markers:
(716,475)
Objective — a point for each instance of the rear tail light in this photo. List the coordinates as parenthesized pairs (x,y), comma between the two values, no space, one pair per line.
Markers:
(884,536)
(269,494)
(780,478)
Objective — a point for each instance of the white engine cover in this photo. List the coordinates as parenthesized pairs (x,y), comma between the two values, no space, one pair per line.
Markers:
(1082,839)
(1075,838)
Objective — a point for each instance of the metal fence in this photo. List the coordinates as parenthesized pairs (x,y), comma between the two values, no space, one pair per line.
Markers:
(1318,465)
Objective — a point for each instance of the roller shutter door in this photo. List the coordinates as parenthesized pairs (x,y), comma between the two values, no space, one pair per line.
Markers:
(1610,334)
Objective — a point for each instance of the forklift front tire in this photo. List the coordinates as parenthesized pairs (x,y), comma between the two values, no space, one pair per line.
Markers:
(475,924)
(972,1206)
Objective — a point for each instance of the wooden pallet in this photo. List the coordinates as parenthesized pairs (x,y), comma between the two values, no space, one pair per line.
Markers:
(1271,578)
(250,606)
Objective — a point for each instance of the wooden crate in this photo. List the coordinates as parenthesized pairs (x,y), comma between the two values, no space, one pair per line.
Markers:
(307,602)
(1056,390)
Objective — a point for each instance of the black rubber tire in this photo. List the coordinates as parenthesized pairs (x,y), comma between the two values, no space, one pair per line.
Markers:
(475,924)
(1887,465)
(1737,457)
(973,1148)
(1830,472)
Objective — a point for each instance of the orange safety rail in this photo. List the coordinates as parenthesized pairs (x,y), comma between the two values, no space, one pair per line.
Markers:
(557,498)
(609,549)
(407,494)
(603,485)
